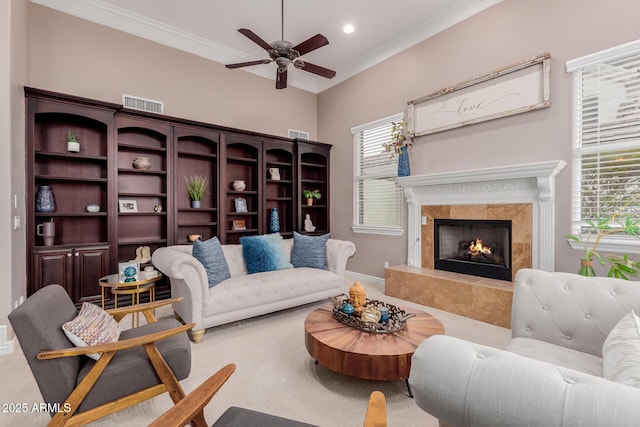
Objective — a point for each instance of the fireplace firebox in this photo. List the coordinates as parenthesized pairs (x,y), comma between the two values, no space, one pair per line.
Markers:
(476,247)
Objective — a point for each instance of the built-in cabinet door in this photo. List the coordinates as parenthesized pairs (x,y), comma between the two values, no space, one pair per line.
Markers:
(54,266)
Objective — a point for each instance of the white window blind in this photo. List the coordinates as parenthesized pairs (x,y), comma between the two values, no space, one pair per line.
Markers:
(378,199)
(607,134)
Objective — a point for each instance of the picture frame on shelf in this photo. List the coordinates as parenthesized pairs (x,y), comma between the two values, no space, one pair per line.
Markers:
(241,204)
(127,205)
(239,224)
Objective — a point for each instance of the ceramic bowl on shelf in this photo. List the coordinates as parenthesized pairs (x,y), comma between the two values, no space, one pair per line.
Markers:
(143,163)
(93,208)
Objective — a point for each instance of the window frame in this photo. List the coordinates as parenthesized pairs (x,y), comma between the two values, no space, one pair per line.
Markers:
(611,243)
(366,228)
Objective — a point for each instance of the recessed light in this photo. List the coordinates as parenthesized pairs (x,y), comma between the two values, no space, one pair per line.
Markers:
(348,29)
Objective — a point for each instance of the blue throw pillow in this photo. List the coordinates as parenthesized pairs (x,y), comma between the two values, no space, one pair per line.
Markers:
(211,256)
(264,253)
(309,251)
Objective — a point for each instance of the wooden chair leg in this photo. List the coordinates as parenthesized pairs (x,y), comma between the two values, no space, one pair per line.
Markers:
(196,336)
(164,372)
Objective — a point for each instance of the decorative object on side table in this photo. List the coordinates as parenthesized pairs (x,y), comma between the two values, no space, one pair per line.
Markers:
(308,224)
(196,187)
(73,146)
(620,265)
(401,141)
(44,200)
(128,270)
(142,163)
(396,318)
(274,221)
(310,195)
(239,185)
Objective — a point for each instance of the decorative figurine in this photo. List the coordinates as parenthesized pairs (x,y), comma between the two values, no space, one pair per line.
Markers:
(275,174)
(347,309)
(357,298)
(157,208)
(308,225)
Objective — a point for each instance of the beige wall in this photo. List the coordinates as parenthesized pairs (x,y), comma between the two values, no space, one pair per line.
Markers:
(507,33)
(74,56)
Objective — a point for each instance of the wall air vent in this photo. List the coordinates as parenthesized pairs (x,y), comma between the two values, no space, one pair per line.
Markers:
(137,103)
(293,134)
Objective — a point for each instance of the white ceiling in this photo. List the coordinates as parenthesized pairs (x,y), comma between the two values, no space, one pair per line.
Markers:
(208,28)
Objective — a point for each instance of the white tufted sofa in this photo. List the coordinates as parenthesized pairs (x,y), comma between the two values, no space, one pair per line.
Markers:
(246,295)
(551,373)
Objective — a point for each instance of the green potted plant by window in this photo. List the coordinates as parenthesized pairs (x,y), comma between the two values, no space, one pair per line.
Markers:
(196,186)
(621,265)
(310,195)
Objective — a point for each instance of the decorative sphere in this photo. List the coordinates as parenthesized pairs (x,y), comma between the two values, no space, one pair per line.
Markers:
(347,309)
(129,272)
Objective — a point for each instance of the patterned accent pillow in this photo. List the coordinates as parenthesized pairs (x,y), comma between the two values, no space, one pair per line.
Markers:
(211,256)
(92,326)
(309,251)
(264,253)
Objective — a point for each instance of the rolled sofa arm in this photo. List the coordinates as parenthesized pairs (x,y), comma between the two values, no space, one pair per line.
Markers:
(188,280)
(338,253)
(466,384)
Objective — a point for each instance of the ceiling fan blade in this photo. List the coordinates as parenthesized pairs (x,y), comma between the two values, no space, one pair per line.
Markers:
(316,69)
(255,38)
(281,79)
(247,64)
(312,43)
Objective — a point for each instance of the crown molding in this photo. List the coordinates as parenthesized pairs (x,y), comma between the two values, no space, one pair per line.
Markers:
(106,14)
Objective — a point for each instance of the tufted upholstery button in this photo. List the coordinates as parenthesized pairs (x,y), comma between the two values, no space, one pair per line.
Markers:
(569,381)
(568,337)
(528,329)
(587,316)
(613,293)
(481,356)
(566,288)
(544,307)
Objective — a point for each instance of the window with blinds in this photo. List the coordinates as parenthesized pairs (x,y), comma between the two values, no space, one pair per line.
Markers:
(606,115)
(377,197)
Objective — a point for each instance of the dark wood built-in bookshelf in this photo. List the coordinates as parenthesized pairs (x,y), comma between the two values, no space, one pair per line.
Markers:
(89,245)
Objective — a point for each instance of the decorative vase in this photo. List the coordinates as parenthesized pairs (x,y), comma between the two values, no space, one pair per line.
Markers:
(196,204)
(73,146)
(44,200)
(143,163)
(403,162)
(586,268)
(239,185)
(274,221)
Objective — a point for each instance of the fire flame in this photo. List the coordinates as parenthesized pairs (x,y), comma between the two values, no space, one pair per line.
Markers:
(476,247)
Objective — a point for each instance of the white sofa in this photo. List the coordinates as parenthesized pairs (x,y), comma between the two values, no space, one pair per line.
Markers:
(247,295)
(551,372)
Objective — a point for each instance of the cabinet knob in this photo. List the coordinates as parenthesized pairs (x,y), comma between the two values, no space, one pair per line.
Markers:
(69,254)
(77,254)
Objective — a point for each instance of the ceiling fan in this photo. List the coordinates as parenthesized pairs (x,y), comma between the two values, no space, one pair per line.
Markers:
(285,53)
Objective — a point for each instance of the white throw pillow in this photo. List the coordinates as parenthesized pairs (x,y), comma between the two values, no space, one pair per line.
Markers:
(621,352)
(92,326)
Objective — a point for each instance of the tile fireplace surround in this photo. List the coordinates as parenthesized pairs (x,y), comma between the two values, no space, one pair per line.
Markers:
(524,194)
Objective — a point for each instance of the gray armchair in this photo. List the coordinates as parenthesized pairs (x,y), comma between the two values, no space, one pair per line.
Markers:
(551,372)
(145,362)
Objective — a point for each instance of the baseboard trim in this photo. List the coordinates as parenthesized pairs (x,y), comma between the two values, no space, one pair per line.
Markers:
(6,346)
(377,281)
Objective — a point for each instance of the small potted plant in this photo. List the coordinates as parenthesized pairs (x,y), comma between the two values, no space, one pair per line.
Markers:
(73,145)
(620,265)
(310,195)
(196,186)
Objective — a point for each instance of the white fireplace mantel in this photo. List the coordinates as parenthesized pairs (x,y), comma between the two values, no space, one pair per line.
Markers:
(526,183)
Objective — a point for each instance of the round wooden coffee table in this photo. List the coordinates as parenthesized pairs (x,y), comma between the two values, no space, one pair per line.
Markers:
(372,356)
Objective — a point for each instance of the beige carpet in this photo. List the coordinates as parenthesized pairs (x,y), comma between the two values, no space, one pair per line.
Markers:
(274,374)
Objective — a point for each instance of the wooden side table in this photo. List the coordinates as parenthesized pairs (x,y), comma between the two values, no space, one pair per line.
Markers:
(117,285)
